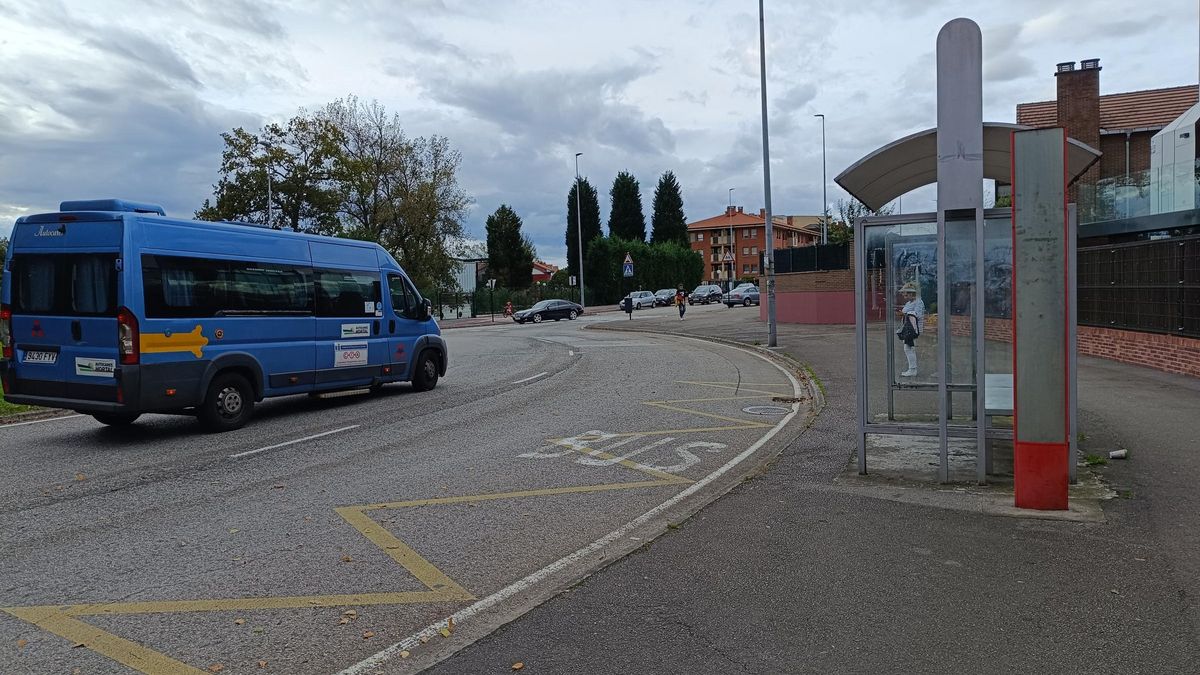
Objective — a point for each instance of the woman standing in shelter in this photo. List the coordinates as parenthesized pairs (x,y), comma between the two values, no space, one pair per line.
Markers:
(912,324)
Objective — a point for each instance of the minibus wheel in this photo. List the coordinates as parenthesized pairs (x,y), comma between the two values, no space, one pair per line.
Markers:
(116,419)
(425,374)
(228,404)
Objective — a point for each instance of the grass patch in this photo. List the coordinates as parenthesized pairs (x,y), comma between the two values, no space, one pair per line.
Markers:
(7,408)
(813,376)
(1094,460)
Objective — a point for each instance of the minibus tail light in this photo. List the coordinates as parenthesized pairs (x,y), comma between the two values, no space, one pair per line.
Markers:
(6,330)
(127,337)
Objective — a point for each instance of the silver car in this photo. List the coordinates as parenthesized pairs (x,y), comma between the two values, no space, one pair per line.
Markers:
(641,299)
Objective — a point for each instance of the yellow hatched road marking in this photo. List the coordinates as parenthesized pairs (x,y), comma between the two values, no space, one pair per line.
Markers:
(118,649)
(675,480)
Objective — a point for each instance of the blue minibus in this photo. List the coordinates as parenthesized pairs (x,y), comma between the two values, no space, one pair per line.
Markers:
(112,309)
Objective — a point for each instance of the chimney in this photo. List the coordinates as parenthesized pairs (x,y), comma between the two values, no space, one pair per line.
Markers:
(739,209)
(762,213)
(729,211)
(1079,109)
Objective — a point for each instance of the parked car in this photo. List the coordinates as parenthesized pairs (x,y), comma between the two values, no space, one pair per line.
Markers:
(704,294)
(664,297)
(744,295)
(549,309)
(640,299)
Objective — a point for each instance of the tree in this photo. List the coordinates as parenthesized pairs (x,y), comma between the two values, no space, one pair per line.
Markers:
(655,266)
(667,222)
(841,229)
(349,170)
(298,159)
(626,220)
(510,254)
(590,208)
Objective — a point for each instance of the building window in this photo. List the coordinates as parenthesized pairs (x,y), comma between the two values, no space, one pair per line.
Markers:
(748,233)
(753,250)
(699,236)
(745,250)
(746,269)
(754,269)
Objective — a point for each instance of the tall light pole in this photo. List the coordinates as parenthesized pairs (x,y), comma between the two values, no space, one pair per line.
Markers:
(729,217)
(579,230)
(769,257)
(267,153)
(824,198)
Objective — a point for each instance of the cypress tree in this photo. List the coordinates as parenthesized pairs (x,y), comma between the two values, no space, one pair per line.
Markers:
(626,220)
(667,221)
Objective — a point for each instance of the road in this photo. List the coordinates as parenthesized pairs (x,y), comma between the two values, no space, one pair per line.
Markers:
(342,534)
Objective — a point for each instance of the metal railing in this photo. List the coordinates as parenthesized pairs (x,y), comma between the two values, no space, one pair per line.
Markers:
(818,258)
(1151,286)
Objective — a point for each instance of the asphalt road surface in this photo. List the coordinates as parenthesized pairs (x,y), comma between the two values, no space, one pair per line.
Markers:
(345,534)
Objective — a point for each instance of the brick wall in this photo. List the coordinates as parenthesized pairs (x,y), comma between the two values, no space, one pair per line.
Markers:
(1112,162)
(1170,353)
(1079,112)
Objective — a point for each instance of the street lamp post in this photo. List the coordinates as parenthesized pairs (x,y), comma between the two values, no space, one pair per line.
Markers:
(769,258)
(267,153)
(824,198)
(579,231)
(729,215)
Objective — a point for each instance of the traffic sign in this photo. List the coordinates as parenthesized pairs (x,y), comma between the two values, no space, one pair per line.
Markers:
(572,280)
(728,257)
(628,269)
(628,259)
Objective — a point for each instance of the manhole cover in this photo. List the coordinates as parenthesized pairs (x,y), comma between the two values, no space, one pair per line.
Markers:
(766,410)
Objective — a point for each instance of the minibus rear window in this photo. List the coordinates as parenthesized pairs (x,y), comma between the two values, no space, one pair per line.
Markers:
(65,284)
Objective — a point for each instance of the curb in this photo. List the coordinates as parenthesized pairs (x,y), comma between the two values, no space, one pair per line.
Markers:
(34,415)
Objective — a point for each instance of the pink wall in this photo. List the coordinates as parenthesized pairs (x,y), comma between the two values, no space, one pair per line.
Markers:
(812,307)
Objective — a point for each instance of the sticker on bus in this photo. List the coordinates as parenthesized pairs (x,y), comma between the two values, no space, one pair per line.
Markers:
(356,330)
(349,354)
(95,367)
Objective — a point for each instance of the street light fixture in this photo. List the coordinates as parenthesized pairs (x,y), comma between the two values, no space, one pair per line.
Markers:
(824,198)
(579,231)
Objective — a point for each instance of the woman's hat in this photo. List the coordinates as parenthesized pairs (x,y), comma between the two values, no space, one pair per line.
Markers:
(910,287)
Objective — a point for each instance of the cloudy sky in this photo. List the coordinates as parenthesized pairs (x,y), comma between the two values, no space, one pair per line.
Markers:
(103,98)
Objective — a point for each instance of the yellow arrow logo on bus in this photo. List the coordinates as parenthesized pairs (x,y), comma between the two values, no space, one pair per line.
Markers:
(157,343)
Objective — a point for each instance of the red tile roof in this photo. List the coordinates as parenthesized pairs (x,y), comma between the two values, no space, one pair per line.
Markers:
(1146,109)
(741,219)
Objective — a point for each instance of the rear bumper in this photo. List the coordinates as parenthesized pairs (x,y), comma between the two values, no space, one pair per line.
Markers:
(142,389)
(75,404)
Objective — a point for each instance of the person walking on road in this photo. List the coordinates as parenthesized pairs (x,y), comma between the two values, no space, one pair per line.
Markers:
(912,324)
(681,301)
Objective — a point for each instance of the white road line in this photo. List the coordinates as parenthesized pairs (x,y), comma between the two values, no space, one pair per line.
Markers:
(292,442)
(531,377)
(516,587)
(48,419)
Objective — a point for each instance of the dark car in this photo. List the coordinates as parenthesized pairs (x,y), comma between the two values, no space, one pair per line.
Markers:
(664,297)
(704,294)
(549,309)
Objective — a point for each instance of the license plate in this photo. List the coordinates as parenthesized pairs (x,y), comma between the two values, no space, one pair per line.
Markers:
(40,357)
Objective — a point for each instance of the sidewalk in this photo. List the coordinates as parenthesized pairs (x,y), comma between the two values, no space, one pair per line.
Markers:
(793,573)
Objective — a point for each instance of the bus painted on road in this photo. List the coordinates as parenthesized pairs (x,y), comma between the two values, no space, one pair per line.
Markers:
(112,309)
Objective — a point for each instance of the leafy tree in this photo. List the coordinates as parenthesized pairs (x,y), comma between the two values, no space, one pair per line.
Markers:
(510,254)
(626,220)
(841,229)
(349,170)
(590,209)
(655,266)
(299,160)
(400,192)
(667,222)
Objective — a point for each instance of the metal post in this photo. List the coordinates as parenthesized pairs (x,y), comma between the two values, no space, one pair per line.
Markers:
(492,302)
(943,350)
(860,342)
(824,197)
(729,219)
(769,257)
(982,452)
(579,230)
(1072,341)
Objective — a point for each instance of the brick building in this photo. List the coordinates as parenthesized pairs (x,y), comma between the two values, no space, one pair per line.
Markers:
(710,238)
(1118,125)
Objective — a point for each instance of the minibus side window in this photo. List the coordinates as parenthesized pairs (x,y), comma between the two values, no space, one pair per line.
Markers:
(347,293)
(404,299)
(65,284)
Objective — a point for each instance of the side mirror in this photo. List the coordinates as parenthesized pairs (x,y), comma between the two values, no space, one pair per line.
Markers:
(426,309)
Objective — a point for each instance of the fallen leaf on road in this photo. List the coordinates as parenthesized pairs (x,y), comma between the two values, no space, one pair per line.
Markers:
(234,531)
(350,613)
(262,664)
(21,643)
(367,635)
(343,621)
(278,487)
(450,624)
(216,668)
(404,654)
(347,558)
(518,665)
(308,519)
(444,632)
(424,639)
(258,629)
(238,622)
(80,476)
